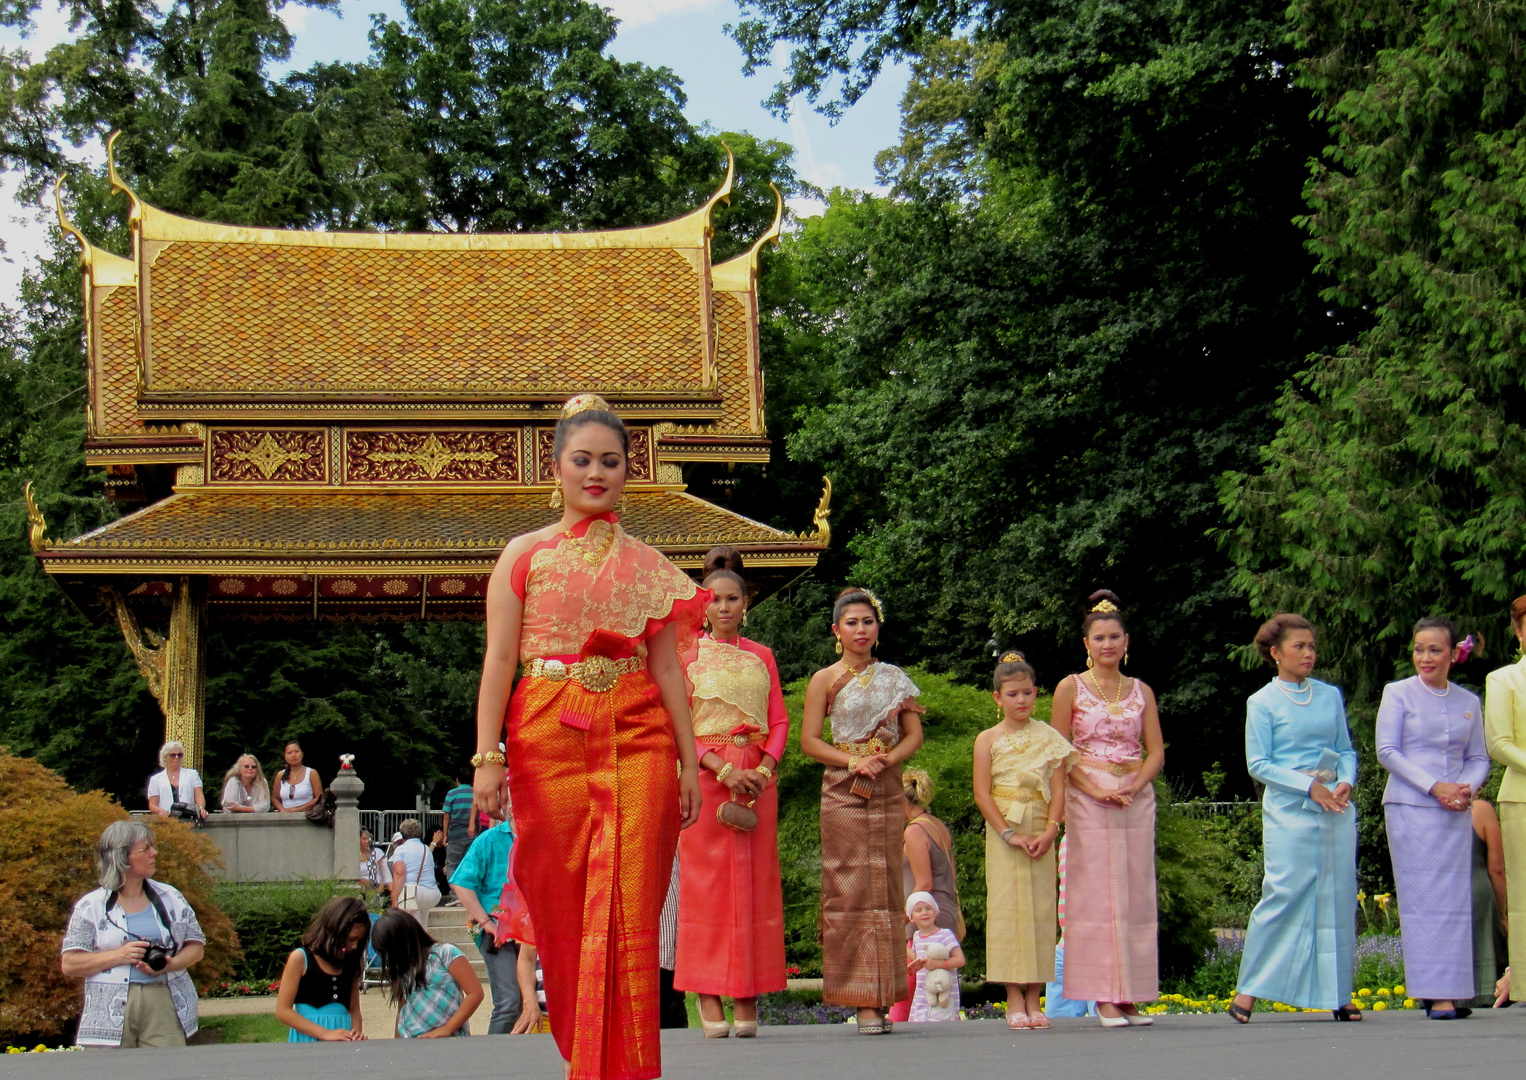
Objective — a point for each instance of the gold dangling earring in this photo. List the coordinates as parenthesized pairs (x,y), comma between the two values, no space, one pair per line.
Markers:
(1090,663)
(1125,659)
(1000,716)
(744,616)
(620,503)
(839,646)
(556,497)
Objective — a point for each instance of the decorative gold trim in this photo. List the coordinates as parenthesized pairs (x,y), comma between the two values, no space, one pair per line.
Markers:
(823,533)
(37,528)
(148,647)
(86,248)
(135,215)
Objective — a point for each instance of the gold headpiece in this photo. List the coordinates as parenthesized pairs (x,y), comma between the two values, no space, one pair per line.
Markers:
(879,612)
(1013,658)
(1106,607)
(584,402)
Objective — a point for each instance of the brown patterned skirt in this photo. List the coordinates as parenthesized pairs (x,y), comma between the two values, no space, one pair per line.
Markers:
(863,945)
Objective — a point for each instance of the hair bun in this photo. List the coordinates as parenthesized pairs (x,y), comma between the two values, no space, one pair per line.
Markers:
(1102,595)
(722,557)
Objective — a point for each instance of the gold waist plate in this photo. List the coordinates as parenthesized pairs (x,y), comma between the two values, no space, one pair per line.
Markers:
(731,740)
(597,673)
(863,749)
(1016,794)
(1117,768)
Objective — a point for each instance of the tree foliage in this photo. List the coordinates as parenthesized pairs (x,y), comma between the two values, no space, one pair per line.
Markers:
(1393,486)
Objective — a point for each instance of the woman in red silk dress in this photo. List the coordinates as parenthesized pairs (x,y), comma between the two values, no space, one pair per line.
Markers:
(599,719)
(731,905)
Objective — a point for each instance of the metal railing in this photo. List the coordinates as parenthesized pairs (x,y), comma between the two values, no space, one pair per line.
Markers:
(381,824)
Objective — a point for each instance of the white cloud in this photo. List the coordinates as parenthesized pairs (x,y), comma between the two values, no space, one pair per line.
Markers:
(633,13)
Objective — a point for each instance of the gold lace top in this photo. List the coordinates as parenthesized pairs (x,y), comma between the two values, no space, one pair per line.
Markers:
(1022,764)
(730,689)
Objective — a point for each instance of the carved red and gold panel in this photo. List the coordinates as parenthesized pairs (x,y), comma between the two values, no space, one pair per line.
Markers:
(261,587)
(368,587)
(643,463)
(458,587)
(461,457)
(268,456)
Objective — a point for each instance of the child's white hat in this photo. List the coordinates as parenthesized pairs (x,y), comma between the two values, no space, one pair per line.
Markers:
(921,898)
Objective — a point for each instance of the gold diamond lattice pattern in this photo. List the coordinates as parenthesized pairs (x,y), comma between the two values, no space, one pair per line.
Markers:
(263,317)
(393,523)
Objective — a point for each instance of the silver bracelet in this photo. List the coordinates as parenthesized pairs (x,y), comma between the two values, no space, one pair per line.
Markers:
(1006,834)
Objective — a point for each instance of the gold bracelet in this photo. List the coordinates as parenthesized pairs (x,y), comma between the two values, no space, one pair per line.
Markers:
(852,762)
(768,774)
(1056,824)
(492,757)
(725,771)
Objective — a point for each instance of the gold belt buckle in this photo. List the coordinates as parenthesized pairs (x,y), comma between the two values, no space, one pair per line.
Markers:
(739,740)
(598,674)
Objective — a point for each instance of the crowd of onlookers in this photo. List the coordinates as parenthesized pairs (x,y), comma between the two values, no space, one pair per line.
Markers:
(177,791)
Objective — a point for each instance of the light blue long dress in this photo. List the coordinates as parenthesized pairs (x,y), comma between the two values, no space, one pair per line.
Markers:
(1301,943)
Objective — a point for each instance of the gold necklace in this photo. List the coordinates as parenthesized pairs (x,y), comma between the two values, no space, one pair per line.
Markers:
(593,557)
(865,674)
(1116,708)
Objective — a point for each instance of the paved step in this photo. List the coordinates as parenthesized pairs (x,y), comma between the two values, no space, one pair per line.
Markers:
(448,925)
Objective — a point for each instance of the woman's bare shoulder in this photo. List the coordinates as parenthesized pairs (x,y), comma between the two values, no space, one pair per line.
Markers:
(521,544)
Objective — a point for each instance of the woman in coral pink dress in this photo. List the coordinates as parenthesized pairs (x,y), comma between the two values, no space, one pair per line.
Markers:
(602,624)
(731,905)
(1110,925)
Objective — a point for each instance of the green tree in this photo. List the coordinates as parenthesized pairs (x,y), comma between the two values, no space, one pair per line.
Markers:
(1393,486)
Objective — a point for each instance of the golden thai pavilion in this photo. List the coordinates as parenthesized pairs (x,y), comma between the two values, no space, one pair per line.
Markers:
(324,425)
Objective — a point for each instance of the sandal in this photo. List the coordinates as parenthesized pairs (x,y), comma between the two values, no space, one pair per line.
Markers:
(1240,1013)
(1347,1012)
(1019,1021)
(1038,1021)
(873,1029)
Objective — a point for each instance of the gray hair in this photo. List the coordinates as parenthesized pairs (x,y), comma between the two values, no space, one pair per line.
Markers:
(411,829)
(113,849)
(173,744)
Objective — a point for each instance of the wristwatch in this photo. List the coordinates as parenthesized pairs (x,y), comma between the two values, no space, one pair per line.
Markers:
(492,757)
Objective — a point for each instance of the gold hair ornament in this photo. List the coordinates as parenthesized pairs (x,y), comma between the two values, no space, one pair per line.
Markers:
(1013,658)
(584,402)
(1106,607)
(874,602)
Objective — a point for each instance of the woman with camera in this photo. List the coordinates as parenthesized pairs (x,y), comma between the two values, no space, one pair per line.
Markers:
(176,790)
(132,940)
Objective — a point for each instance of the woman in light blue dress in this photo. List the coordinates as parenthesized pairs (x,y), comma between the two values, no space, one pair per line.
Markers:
(1301,944)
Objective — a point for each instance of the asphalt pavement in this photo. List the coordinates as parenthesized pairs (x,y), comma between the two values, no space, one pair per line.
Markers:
(1391,1046)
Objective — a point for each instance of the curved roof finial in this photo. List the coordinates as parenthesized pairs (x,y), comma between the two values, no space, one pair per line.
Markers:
(63,218)
(774,230)
(117,183)
(723,193)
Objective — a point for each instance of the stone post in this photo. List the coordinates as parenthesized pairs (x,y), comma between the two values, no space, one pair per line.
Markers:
(347,787)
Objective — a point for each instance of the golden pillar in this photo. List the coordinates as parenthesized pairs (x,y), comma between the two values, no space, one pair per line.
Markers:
(175,667)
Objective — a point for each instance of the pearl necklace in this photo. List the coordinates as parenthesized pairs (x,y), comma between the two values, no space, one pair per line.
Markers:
(1300,688)
(1433,693)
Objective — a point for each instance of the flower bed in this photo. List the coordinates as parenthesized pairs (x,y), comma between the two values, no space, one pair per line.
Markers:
(242,988)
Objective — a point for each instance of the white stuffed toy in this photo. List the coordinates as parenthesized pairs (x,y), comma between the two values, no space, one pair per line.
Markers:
(939,981)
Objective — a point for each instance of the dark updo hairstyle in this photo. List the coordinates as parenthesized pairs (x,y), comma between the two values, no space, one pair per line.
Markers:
(1276,628)
(853,595)
(568,424)
(1436,622)
(724,561)
(1009,668)
(1092,617)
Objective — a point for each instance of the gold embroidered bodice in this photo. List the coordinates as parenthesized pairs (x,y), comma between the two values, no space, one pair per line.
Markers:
(730,689)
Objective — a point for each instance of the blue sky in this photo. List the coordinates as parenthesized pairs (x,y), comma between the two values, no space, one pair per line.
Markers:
(684,35)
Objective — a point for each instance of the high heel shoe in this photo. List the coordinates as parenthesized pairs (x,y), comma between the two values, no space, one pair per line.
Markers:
(716,1029)
(746,1029)
(1113,1021)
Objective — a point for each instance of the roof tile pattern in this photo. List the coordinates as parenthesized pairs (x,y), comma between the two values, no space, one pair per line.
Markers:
(116,377)
(382,524)
(256,318)
(732,369)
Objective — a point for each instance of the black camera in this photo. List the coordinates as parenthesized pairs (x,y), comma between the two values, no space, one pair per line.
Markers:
(156,957)
(185,812)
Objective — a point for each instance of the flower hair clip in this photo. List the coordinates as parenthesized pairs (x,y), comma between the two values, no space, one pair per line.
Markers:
(1013,658)
(879,612)
(1465,649)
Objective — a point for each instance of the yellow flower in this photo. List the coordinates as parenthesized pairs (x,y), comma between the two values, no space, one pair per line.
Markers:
(1399,990)
(1361,898)
(1409,1003)
(1384,992)
(1382,900)
(1380,1006)
(1364,992)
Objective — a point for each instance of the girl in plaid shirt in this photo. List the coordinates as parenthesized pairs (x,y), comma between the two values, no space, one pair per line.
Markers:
(432,984)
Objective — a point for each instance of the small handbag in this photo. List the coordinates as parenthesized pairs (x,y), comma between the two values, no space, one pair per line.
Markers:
(322,811)
(408,895)
(738,817)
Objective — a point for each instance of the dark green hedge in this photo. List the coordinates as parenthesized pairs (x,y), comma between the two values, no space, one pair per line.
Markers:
(270,918)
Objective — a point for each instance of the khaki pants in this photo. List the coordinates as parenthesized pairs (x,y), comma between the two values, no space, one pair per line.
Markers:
(151,1018)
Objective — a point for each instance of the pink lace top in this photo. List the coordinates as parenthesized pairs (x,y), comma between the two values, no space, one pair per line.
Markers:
(1098,732)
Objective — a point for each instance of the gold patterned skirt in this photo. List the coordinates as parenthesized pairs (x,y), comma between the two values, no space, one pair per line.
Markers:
(1021,898)
(863,947)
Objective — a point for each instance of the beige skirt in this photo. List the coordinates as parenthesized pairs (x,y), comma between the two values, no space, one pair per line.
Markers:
(1021,924)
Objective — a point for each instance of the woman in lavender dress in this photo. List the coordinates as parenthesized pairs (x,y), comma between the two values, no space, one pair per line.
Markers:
(1431,741)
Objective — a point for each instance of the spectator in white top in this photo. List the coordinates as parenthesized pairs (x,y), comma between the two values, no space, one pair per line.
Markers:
(413,865)
(373,866)
(296,787)
(244,788)
(176,785)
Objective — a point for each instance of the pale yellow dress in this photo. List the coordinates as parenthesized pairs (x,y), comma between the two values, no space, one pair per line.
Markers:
(1021,925)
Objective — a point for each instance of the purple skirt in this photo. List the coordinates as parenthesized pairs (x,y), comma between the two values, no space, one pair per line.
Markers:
(1432,851)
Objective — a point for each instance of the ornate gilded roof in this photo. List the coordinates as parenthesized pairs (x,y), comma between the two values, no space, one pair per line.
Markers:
(327,527)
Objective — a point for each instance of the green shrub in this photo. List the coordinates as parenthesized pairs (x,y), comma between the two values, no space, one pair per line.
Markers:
(47,862)
(270,917)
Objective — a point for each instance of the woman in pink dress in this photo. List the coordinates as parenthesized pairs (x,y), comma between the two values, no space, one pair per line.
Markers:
(730,902)
(1110,920)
